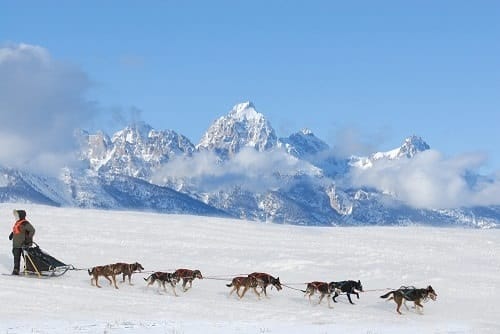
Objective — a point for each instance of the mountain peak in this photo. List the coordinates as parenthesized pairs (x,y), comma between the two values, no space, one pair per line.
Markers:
(242,127)
(412,145)
(133,132)
(245,111)
(303,143)
(306,132)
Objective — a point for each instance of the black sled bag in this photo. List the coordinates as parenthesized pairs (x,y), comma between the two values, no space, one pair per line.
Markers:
(37,260)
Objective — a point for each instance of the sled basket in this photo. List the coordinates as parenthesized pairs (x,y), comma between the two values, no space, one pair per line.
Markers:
(36,261)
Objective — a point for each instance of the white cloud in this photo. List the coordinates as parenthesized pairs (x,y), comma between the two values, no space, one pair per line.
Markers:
(430,180)
(351,141)
(249,169)
(42,102)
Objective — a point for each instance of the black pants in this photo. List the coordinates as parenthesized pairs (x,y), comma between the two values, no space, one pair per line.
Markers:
(17,258)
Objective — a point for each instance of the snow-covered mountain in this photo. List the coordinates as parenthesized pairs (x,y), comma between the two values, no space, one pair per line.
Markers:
(242,127)
(303,144)
(306,146)
(135,151)
(86,189)
(410,147)
(294,180)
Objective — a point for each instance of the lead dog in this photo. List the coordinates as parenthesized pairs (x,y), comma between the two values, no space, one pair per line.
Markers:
(162,278)
(187,276)
(411,294)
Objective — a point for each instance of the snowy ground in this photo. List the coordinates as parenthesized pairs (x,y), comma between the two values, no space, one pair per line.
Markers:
(462,265)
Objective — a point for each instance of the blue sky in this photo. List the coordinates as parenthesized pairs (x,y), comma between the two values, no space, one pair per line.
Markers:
(375,71)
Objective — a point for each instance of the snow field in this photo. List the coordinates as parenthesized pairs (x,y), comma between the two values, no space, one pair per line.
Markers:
(462,265)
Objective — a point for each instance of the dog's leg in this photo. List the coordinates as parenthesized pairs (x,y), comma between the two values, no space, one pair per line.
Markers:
(349,297)
(94,279)
(114,281)
(262,285)
(109,280)
(160,284)
(256,292)
(399,301)
(310,294)
(173,289)
(419,307)
(184,282)
(335,295)
(129,278)
(244,291)
(321,298)
(329,305)
(97,281)
(190,281)
(234,289)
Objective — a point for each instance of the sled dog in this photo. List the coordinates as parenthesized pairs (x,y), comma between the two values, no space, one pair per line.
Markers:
(265,280)
(187,276)
(411,294)
(246,283)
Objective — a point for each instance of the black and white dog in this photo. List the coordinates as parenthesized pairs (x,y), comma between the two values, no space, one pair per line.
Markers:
(162,278)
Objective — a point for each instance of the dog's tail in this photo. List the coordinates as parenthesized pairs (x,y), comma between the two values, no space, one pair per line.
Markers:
(229,285)
(147,279)
(90,272)
(387,294)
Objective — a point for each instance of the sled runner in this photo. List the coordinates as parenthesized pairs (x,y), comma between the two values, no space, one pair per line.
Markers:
(37,262)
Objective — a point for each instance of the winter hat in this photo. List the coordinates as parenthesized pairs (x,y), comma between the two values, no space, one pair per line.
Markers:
(19,214)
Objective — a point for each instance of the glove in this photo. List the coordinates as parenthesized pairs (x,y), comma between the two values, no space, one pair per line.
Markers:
(11,235)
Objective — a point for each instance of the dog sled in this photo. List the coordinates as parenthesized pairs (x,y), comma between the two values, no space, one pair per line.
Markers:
(39,263)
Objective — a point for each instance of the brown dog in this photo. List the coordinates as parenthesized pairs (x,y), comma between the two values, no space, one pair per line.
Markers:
(162,278)
(265,280)
(187,276)
(106,271)
(324,288)
(411,294)
(126,269)
(246,283)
